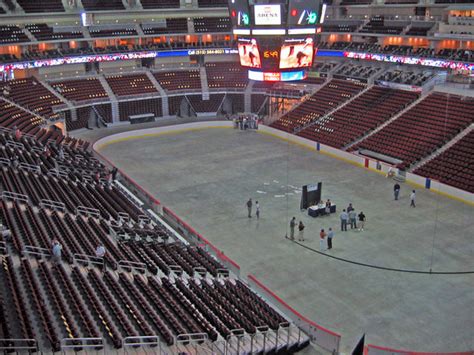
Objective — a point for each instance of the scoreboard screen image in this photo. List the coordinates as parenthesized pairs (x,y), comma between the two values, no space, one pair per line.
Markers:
(304,13)
(239,11)
(297,53)
(249,53)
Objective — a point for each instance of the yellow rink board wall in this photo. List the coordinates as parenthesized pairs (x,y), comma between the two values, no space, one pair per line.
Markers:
(412,179)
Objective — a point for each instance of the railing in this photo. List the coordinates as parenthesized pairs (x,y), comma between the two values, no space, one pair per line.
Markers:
(57,173)
(13,145)
(77,344)
(151,340)
(4,162)
(176,269)
(132,265)
(30,167)
(87,211)
(201,271)
(191,338)
(238,336)
(18,345)
(33,250)
(124,216)
(8,195)
(89,259)
(54,205)
(3,248)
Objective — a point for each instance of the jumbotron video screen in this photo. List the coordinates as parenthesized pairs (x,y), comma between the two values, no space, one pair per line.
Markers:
(276,38)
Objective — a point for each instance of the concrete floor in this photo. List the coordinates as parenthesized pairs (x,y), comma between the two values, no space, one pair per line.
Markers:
(207,176)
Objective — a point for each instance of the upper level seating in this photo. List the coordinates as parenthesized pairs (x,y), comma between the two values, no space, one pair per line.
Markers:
(356,2)
(81,89)
(455,166)
(102,5)
(107,32)
(225,75)
(43,32)
(327,98)
(418,30)
(172,25)
(339,28)
(12,34)
(160,4)
(359,116)
(41,5)
(123,85)
(211,105)
(212,3)
(401,1)
(356,71)
(188,79)
(422,129)
(212,24)
(31,94)
(406,77)
(378,25)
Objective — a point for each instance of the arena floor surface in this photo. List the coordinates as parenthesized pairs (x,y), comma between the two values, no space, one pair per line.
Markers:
(206,176)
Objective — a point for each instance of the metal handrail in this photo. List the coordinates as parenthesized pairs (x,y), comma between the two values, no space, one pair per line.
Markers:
(33,347)
(33,250)
(191,337)
(15,196)
(55,205)
(64,343)
(153,340)
(3,248)
(92,259)
(134,265)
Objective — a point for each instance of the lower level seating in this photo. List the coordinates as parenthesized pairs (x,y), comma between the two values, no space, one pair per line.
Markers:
(455,166)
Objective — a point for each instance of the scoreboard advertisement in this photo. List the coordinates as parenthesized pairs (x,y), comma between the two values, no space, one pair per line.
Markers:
(276,38)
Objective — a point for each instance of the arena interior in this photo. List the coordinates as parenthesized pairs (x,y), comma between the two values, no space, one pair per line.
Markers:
(134,132)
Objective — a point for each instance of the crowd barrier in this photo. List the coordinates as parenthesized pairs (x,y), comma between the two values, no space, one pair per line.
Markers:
(319,335)
(380,350)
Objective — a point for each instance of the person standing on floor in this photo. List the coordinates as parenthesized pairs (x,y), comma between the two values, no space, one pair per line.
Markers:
(344,218)
(353,219)
(301,231)
(249,207)
(396,190)
(349,208)
(322,240)
(412,198)
(330,236)
(292,228)
(361,221)
(257,209)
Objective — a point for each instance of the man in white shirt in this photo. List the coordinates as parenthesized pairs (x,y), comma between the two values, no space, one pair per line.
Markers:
(412,199)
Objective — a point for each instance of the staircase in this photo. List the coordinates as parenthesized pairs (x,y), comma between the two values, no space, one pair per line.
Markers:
(443,148)
(113,99)
(164,96)
(28,34)
(382,126)
(323,118)
(204,83)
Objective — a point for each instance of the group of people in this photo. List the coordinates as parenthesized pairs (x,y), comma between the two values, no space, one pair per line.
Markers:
(325,239)
(246,122)
(396,194)
(249,205)
(350,216)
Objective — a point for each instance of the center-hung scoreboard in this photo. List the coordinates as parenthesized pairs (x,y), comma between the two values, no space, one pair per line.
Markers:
(276,38)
